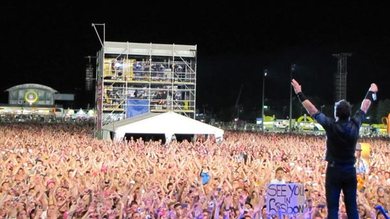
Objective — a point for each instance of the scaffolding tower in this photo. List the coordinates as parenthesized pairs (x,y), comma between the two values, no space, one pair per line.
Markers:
(340,79)
(137,78)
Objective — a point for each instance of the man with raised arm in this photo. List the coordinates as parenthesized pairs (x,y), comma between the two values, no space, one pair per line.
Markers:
(342,133)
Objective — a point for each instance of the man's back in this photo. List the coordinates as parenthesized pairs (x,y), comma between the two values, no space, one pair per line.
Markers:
(342,136)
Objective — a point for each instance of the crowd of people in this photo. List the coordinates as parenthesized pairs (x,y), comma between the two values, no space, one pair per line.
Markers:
(62,171)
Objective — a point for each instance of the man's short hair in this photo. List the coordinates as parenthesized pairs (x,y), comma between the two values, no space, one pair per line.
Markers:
(343,109)
(279,169)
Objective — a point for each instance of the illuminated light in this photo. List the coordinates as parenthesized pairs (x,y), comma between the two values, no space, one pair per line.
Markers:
(31,97)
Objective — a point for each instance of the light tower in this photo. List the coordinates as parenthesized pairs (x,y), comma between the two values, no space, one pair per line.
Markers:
(89,77)
(341,76)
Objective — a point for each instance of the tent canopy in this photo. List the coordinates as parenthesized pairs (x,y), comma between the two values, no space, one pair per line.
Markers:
(168,123)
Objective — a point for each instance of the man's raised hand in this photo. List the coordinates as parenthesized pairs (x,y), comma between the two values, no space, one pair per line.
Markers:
(373,88)
(296,86)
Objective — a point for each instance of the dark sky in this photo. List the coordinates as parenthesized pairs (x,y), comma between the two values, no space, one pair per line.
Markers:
(46,43)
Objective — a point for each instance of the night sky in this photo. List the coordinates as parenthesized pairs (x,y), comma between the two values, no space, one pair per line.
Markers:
(47,44)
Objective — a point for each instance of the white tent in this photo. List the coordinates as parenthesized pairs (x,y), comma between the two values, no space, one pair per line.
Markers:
(168,123)
(80,114)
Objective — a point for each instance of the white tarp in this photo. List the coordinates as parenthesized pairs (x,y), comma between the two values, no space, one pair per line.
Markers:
(168,123)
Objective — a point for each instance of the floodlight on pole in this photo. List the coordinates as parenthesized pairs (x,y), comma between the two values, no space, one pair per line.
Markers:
(262,102)
(292,69)
(99,84)
(322,106)
(97,33)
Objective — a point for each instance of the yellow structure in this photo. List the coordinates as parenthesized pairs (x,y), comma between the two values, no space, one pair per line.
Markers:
(366,151)
(119,69)
(305,118)
(386,121)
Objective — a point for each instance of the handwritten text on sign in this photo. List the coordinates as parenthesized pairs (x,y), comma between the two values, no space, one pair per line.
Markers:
(285,198)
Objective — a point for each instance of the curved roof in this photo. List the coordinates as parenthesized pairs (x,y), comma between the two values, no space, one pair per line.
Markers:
(31,86)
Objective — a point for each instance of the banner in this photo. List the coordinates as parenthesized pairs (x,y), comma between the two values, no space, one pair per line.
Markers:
(285,199)
(136,107)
